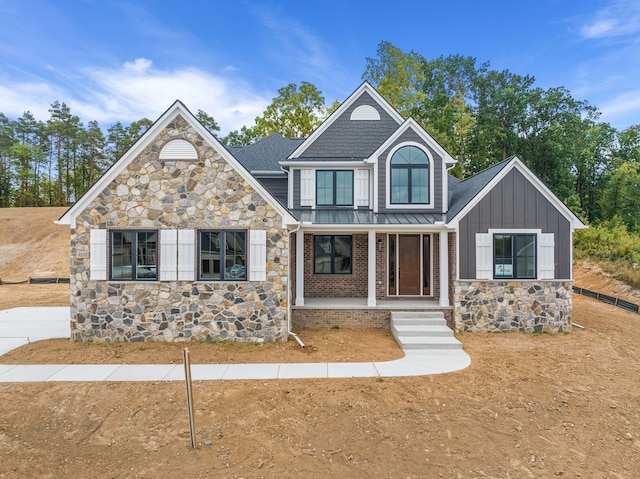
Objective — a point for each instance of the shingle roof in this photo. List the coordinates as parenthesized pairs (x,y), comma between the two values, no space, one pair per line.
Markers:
(264,154)
(462,192)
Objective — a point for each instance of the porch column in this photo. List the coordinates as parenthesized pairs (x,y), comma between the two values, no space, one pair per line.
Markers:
(300,268)
(371,296)
(444,268)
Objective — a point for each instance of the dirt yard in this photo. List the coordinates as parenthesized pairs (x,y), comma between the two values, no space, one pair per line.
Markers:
(529,406)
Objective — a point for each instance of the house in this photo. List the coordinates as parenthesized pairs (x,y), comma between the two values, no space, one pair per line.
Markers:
(184,239)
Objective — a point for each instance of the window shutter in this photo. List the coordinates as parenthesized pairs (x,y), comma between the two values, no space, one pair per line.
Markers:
(362,188)
(168,255)
(484,256)
(258,255)
(307,187)
(98,255)
(186,255)
(546,261)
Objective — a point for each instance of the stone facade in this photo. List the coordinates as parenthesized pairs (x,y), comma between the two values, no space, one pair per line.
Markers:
(206,193)
(501,306)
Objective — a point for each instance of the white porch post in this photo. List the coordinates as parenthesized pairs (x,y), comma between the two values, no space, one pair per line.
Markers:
(300,268)
(444,269)
(371,297)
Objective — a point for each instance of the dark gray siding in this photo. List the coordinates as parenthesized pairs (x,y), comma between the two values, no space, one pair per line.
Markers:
(296,189)
(514,203)
(347,138)
(278,187)
(410,135)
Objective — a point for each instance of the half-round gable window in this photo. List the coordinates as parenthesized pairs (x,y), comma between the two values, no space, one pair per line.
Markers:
(178,150)
(365,112)
(409,176)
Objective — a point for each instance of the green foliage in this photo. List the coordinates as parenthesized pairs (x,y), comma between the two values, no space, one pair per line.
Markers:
(609,241)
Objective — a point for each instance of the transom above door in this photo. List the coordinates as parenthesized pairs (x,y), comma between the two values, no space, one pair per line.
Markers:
(409,265)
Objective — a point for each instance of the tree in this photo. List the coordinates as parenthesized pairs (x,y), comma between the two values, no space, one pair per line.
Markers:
(620,198)
(208,122)
(295,113)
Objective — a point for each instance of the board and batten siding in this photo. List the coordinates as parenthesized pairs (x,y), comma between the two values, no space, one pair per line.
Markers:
(410,136)
(514,203)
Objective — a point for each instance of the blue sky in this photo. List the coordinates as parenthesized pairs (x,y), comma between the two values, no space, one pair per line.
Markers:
(115,60)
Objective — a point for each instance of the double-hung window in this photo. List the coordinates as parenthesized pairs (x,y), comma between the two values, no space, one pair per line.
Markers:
(134,255)
(514,256)
(334,188)
(222,255)
(332,254)
(409,176)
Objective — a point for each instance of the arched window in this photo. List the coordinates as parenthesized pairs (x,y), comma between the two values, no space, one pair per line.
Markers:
(409,176)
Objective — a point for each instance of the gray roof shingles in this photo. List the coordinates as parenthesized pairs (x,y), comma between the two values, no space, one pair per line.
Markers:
(265,154)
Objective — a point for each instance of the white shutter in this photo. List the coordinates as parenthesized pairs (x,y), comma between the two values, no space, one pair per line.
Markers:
(186,255)
(361,188)
(257,255)
(546,260)
(168,255)
(98,255)
(307,187)
(484,256)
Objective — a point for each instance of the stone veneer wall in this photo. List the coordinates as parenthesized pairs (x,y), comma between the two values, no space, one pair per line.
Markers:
(153,194)
(500,306)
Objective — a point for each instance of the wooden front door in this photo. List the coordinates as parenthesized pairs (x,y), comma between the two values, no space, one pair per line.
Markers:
(409,263)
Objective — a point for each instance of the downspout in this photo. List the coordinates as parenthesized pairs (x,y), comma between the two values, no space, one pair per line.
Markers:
(295,336)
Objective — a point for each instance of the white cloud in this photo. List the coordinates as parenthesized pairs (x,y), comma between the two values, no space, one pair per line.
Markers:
(620,19)
(622,110)
(135,90)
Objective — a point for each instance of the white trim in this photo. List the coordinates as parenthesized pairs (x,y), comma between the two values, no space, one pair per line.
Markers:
(300,267)
(371,268)
(546,267)
(333,164)
(257,255)
(178,150)
(290,187)
(361,189)
(413,206)
(308,187)
(365,87)
(168,255)
(145,140)
(484,256)
(443,245)
(365,112)
(98,255)
(186,255)
(410,123)
(516,163)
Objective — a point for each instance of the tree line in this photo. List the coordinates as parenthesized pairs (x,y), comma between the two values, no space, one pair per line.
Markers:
(479,114)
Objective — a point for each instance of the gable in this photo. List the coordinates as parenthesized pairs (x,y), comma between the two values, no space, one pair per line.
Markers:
(353,138)
(188,130)
(357,127)
(514,203)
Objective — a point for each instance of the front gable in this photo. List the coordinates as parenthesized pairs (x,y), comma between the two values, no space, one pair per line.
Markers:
(512,203)
(357,127)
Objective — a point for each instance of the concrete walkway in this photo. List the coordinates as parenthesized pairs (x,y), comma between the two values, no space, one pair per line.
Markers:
(20,326)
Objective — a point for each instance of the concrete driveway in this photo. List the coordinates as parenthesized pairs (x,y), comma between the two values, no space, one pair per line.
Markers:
(20,326)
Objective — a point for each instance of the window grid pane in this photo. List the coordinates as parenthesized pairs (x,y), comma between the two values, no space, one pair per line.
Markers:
(344,188)
(400,186)
(332,254)
(121,254)
(146,252)
(210,256)
(324,188)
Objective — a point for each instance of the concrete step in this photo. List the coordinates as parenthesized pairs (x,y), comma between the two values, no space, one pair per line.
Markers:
(422,330)
(429,343)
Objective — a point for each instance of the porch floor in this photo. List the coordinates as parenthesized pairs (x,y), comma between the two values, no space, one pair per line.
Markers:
(361,303)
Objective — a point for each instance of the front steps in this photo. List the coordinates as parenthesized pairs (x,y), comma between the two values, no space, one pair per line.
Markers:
(423,330)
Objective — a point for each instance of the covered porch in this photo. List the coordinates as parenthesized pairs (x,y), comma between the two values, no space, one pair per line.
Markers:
(363,294)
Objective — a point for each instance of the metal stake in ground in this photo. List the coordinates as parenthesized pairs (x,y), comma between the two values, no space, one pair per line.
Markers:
(187,377)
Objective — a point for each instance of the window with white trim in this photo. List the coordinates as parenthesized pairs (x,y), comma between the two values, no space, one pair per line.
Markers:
(222,255)
(514,256)
(134,255)
(409,176)
(334,187)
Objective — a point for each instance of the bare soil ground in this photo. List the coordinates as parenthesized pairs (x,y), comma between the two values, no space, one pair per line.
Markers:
(529,406)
